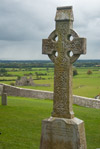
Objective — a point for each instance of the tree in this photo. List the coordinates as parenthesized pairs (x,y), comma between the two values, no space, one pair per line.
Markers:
(89,72)
(75,72)
(3,72)
(37,75)
(47,69)
(18,77)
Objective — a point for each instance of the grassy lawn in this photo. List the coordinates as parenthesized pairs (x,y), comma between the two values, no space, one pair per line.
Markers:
(20,123)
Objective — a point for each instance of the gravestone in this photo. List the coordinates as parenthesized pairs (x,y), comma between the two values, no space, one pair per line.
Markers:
(62,130)
(3,96)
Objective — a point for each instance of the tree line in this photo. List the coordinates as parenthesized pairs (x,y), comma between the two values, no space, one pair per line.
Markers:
(45,64)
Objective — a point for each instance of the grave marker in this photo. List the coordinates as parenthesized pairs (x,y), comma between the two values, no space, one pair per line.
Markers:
(63,47)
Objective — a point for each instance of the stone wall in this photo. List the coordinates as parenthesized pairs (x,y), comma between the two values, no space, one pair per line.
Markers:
(86,102)
(78,100)
(16,91)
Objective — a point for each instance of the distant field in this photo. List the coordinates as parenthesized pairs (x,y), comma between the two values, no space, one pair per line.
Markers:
(87,85)
(83,83)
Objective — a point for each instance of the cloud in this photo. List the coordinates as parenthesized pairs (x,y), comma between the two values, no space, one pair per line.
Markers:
(23,24)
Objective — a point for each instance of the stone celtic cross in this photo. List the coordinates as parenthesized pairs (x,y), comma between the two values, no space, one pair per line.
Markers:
(63,47)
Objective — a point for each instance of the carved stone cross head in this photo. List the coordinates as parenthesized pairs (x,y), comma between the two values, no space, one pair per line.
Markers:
(64,40)
(63,47)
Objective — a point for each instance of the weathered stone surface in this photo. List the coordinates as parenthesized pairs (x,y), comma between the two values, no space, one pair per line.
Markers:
(62,14)
(63,61)
(24,81)
(4,99)
(78,100)
(16,91)
(86,102)
(1,89)
(60,133)
(48,46)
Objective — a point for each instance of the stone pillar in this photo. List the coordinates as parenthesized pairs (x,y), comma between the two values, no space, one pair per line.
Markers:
(4,99)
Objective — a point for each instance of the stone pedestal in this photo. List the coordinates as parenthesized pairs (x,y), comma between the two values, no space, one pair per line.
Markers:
(61,133)
(4,99)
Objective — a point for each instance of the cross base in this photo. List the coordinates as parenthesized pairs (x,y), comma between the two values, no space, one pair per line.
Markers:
(68,115)
(61,133)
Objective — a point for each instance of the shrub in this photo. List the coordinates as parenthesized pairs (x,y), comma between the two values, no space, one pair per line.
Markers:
(89,72)
(3,72)
(18,77)
(12,83)
(75,72)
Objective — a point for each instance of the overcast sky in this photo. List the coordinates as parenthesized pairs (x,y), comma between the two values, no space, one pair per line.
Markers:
(24,23)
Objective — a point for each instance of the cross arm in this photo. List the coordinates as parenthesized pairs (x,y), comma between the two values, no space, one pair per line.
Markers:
(78,46)
(48,46)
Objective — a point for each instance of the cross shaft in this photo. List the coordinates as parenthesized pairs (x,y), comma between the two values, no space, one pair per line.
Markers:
(62,105)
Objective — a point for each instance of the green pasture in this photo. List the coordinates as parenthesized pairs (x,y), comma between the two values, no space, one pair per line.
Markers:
(20,123)
(83,84)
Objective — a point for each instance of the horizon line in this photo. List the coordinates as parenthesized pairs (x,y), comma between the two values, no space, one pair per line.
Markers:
(37,59)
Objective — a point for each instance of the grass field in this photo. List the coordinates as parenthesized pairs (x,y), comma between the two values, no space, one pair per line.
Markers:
(20,123)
